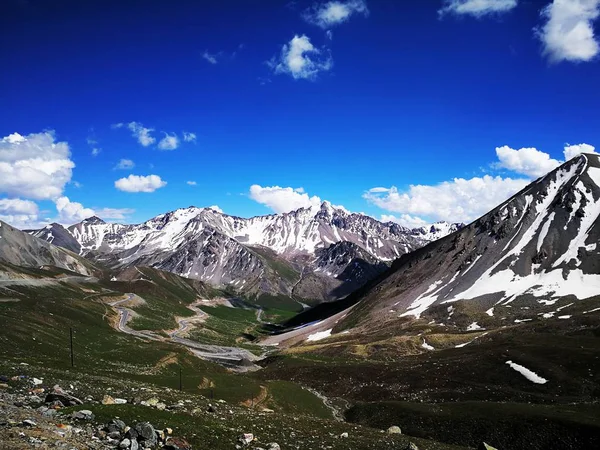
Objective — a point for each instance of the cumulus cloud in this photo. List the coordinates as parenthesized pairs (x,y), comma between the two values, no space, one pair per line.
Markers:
(96,151)
(283,199)
(477,8)
(141,133)
(526,161)
(459,200)
(169,142)
(406,220)
(568,33)
(216,208)
(335,12)
(71,212)
(125,164)
(572,151)
(189,137)
(301,59)
(210,58)
(191,183)
(137,183)
(19,213)
(34,166)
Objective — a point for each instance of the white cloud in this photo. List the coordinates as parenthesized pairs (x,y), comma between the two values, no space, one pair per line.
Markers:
(216,208)
(34,166)
(300,59)
(169,142)
(406,220)
(572,151)
(189,137)
(71,212)
(125,164)
(335,12)
(114,213)
(136,183)
(283,199)
(329,34)
(191,183)
(568,34)
(141,133)
(96,151)
(477,8)
(19,213)
(526,161)
(210,58)
(459,200)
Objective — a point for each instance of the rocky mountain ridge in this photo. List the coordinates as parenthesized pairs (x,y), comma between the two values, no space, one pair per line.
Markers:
(205,244)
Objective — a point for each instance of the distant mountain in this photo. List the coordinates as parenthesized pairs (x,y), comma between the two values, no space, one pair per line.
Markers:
(297,252)
(21,249)
(538,248)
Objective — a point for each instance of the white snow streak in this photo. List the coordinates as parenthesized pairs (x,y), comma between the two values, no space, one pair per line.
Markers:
(531,376)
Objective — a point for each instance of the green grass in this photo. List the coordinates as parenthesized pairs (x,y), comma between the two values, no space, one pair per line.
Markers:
(159,314)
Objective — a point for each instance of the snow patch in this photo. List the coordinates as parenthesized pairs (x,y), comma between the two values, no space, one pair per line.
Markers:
(319,335)
(531,376)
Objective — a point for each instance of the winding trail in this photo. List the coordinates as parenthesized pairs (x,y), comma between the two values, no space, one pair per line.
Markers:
(235,358)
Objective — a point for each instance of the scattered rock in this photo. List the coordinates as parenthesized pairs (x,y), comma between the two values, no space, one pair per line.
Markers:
(146,433)
(125,443)
(115,425)
(84,414)
(246,438)
(120,401)
(108,400)
(411,446)
(29,423)
(344,435)
(36,381)
(273,446)
(60,395)
(394,430)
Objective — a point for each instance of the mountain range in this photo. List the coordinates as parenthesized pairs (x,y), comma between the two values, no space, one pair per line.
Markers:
(311,253)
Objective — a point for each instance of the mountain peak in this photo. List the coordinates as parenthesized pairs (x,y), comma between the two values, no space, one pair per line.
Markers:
(93,220)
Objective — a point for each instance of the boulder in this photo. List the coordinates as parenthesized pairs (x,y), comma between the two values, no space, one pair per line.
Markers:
(246,438)
(84,414)
(146,434)
(125,443)
(115,425)
(394,430)
(411,446)
(60,395)
(273,446)
(344,435)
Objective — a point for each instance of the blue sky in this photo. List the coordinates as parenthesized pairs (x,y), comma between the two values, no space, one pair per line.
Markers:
(413,111)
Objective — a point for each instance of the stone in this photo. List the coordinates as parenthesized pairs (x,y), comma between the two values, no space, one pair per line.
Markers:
(344,435)
(160,406)
(29,423)
(273,446)
(49,413)
(177,444)
(125,443)
(246,438)
(58,394)
(36,381)
(394,430)
(108,400)
(411,446)
(146,433)
(114,435)
(115,425)
(134,445)
(120,401)
(84,414)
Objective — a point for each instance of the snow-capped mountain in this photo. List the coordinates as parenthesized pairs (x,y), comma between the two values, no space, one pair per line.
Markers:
(539,246)
(207,245)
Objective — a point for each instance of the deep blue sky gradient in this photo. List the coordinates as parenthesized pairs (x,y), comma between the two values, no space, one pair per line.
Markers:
(411,99)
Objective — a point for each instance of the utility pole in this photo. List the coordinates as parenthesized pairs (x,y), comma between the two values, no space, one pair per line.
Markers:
(72,355)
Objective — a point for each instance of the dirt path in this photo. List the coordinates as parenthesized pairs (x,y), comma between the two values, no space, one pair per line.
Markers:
(238,359)
(338,413)
(254,402)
